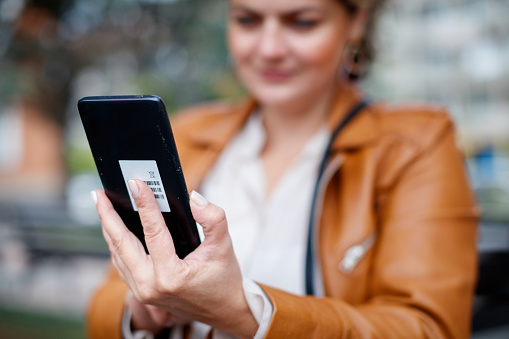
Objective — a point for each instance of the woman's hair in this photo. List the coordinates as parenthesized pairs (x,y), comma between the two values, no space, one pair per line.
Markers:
(366,47)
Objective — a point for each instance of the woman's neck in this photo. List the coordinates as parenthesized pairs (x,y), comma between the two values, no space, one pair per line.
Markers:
(287,130)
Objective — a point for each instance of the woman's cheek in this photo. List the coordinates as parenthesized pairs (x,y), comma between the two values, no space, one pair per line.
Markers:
(239,45)
(321,49)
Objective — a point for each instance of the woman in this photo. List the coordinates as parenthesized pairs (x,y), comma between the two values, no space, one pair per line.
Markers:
(390,251)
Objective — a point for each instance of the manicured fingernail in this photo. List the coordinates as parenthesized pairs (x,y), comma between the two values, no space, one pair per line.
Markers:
(133,186)
(198,199)
(94,196)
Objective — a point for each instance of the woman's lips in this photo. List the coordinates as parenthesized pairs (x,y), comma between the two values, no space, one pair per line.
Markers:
(275,76)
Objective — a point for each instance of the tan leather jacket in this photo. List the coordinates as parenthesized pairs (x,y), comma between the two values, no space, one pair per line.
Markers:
(396,186)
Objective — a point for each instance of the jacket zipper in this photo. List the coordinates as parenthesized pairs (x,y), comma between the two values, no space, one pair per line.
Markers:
(331,168)
(355,253)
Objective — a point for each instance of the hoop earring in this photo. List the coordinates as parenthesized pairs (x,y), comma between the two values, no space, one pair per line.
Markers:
(354,63)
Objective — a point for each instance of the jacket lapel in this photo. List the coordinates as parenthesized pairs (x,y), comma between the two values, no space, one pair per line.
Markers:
(217,129)
(361,130)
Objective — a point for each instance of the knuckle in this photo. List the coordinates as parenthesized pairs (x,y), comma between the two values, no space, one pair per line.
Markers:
(166,287)
(142,202)
(170,285)
(152,230)
(111,248)
(146,295)
(137,296)
(149,219)
(116,244)
(145,199)
(218,216)
(145,292)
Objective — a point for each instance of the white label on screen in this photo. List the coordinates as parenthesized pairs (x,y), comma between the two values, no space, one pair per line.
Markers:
(147,171)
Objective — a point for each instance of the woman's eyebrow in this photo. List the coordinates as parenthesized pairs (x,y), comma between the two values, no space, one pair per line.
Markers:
(293,12)
(305,10)
(242,8)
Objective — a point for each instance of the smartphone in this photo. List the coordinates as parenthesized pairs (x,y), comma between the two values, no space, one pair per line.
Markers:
(130,138)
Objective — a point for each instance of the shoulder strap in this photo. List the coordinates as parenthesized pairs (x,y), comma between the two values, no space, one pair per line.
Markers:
(310,283)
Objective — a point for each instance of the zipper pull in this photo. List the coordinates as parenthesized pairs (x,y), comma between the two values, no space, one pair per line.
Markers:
(355,253)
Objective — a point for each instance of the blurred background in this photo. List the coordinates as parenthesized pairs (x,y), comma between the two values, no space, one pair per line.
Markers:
(53,52)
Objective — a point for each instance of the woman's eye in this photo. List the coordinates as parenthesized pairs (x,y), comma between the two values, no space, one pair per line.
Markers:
(304,23)
(246,21)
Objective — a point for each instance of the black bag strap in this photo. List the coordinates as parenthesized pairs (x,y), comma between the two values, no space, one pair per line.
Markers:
(310,283)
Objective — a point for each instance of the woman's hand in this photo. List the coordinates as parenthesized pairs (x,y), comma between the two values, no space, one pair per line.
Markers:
(206,286)
(150,318)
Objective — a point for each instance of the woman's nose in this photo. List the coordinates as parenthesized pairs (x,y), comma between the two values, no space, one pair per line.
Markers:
(271,43)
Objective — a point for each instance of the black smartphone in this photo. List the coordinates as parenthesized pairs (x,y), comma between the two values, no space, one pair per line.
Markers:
(131,138)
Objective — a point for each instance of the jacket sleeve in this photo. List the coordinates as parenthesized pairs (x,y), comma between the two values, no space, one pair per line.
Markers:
(423,270)
(104,318)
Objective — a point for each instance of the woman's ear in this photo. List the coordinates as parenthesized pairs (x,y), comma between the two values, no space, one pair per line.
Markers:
(354,63)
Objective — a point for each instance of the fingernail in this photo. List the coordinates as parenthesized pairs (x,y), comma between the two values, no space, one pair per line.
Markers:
(170,323)
(133,186)
(94,196)
(197,199)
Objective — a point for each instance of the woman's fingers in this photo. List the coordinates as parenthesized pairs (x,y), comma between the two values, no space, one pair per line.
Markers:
(141,318)
(160,317)
(211,217)
(126,250)
(157,236)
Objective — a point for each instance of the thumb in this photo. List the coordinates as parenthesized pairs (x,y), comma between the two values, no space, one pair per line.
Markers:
(211,217)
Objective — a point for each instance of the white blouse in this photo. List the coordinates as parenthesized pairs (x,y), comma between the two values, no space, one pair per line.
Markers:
(269,233)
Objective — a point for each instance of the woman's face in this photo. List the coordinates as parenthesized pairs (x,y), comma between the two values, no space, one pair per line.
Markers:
(286,51)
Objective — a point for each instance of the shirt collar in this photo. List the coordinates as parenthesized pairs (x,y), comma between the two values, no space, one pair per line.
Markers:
(253,136)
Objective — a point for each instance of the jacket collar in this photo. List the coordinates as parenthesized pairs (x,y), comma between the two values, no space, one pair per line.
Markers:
(216,130)
(360,131)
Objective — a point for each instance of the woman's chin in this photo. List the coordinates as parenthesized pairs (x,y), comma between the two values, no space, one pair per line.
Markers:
(275,96)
